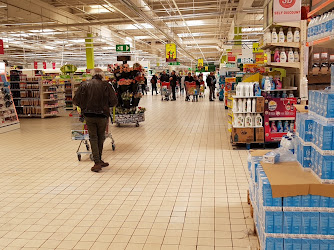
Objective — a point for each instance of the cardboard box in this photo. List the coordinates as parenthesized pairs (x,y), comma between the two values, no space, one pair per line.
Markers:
(289,179)
(259,135)
(243,135)
(260,104)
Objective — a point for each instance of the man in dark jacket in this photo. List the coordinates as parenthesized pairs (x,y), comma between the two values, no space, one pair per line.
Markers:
(188,78)
(173,80)
(164,77)
(211,82)
(154,82)
(95,97)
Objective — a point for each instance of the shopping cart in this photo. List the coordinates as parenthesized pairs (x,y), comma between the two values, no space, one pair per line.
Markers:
(191,90)
(79,132)
(165,91)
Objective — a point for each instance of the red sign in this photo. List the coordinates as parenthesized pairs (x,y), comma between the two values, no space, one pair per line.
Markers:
(287,3)
(35,65)
(230,57)
(2,51)
(287,10)
(44,65)
(53,65)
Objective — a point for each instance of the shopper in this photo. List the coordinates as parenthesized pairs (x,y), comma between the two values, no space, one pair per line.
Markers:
(173,80)
(198,85)
(95,97)
(182,85)
(211,82)
(154,82)
(164,77)
(188,78)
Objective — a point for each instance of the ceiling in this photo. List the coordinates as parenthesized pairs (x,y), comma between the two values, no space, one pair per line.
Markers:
(54,30)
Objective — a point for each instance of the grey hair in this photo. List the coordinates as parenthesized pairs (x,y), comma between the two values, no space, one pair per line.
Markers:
(97,72)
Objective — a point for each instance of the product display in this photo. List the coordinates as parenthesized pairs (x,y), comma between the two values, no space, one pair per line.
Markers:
(321,26)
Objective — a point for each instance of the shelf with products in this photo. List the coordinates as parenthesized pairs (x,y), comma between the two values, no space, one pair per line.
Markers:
(296,65)
(321,7)
(285,44)
(325,42)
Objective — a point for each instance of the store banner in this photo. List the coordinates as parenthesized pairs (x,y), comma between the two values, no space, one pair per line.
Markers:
(200,62)
(53,65)
(35,65)
(171,52)
(2,51)
(230,57)
(44,65)
(287,11)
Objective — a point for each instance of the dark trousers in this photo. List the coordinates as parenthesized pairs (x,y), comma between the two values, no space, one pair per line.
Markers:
(212,92)
(96,129)
(173,92)
(143,89)
(154,87)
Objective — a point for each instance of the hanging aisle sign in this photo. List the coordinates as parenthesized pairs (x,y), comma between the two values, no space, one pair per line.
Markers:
(170,52)
(200,62)
(2,51)
(287,11)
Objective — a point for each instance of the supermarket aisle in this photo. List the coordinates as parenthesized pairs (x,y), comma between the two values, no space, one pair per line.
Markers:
(174,183)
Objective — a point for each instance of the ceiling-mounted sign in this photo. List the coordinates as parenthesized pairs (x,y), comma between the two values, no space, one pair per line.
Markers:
(123,48)
(170,52)
(35,65)
(287,11)
(44,65)
(2,51)
(200,62)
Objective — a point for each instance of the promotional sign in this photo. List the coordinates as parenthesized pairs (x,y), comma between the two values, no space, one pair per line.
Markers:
(200,62)
(230,57)
(2,51)
(170,52)
(287,10)
(259,58)
(123,48)
(35,65)
(53,65)
(256,48)
(44,65)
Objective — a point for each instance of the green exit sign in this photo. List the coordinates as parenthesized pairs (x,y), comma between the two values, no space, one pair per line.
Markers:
(174,63)
(123,47)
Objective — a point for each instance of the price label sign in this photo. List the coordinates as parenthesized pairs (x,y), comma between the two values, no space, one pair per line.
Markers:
(287,10)
(256,48)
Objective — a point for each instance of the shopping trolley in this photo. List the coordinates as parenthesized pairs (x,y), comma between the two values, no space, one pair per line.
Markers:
(165,91)
(190,90)
(79,132)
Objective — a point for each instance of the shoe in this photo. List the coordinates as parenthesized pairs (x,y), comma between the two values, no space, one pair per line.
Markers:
(104,164)
(173,100)
(211,100)
(96,168)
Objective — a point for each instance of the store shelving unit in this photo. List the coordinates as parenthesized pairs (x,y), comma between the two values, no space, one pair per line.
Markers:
(321,8)
(274,45)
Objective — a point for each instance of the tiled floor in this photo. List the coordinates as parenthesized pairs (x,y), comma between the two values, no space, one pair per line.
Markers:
(174,183)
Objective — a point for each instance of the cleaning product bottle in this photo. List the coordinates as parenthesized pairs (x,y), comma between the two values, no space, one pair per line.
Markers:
(296,36)
(273,127)
(244,105)
(242,89)
(251,89)
(274,37)
(291,57)
(246,89)
(248,121)
(241,120)
(240,105)
(281,37)
(278,82)
(257,89)
(249,105)
(289,36)
(282,56)
(258,120)
(279,127)
(273,86)
(267,84)
(254,105)
(296,56)
(292,126)
(284,95)
(237,90)
(277,55)
(268,54)
(235,106)
(286,126)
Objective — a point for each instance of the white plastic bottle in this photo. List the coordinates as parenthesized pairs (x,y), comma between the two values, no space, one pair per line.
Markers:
(251,89)
(235,106)
(244,105)
(289,36)
(240,105)
(296,56)
(242,91)
(274,37)
(296,36)
(267,84)
(332,22)
(248,121)
(268,53)
(281,38)
(240,121)
(254,105)
(246,89)
(249,105)
(291,57)
(237,90)
(258,120)
(282,57)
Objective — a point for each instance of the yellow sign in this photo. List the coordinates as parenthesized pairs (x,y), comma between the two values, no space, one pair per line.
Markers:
(170,52)
(206,68)
(256,48)
(200,62)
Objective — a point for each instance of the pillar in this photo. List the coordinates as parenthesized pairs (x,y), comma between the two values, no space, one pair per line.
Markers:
(89,51)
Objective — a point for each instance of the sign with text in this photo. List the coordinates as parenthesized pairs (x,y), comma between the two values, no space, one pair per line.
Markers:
(231,57)
(200,62)
(170,52)
(287,11)
(35,65)
(256,48)
(2,51)
(44,65)
(123,48)
(53,65)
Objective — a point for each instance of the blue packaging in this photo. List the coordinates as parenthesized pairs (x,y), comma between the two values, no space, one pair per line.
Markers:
(267,193)
(296,222)
(306,200)
(269,222)
(297,201)
(270,243)
(278,222)
(314,222)
(326,244)
(324,201)
(297,244)
(324,223)
(279,244)
(326,137)
(306,154)
(287,222)
(310,244)
(305,223)
(315,200)
(330,105)
(331,202)
(326,165)
(288,201)
(288,244)
(331,224)
(277,202)
(308,130)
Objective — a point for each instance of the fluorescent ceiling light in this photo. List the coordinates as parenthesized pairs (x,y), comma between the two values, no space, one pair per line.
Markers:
(195,22)
(135,26)
(42,30)
(142,37)
(49,47)
(189,35)
(251,29)
(77,40)
(19,34)
(98,9)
